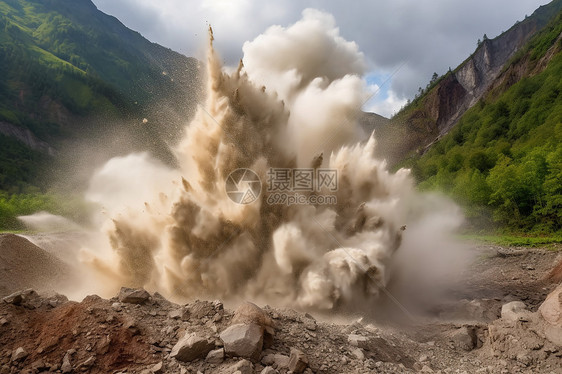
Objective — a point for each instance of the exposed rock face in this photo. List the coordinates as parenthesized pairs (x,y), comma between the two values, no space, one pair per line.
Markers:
(459,90)
(26,137)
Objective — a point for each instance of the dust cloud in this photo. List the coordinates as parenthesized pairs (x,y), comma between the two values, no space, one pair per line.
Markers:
(292,104)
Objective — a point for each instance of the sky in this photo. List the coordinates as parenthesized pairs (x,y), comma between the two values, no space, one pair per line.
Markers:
(404,41)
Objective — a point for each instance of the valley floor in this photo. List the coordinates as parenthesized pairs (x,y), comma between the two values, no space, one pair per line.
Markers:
(490,323)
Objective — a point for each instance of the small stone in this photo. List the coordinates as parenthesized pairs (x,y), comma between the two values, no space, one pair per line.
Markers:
(66,366)
(514,311)
(133,296)
(242,367)
(426,369)
(278,360)
(269,370)
(191,347)
(463,338)
(215,356)
(158,368)
(200,309)
(38,365)
(298,361)
(358,353)
(19,354)
(89,362)
(3,321)
(116,307)
(358,341)
(423,358)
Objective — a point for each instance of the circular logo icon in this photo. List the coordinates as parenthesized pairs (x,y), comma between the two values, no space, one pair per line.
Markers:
(243,186)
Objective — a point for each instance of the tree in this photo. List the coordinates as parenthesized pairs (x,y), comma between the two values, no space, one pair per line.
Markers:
(434,78)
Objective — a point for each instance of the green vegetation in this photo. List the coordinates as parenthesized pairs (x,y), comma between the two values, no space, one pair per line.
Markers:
(14,205)
(503,160)
(516,241)
(69,71)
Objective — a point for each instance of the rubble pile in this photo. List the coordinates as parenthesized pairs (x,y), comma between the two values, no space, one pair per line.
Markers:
(139,332)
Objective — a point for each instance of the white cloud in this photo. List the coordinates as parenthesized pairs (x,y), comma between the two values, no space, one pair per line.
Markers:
(384,103)
(430,35)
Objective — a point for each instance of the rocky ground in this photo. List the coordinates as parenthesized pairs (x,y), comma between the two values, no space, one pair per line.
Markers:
(497,322)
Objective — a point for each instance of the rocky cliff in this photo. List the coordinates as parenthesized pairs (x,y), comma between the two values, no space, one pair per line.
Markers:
(432,115)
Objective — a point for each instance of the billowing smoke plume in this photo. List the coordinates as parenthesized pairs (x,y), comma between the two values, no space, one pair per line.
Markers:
(290,106)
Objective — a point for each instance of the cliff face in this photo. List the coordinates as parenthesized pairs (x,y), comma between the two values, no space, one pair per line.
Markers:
(471,80)
(434,114)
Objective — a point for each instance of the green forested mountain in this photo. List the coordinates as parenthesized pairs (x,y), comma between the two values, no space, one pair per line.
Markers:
(503,158)
(69,71)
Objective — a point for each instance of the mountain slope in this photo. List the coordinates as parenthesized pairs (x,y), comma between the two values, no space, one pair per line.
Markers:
(70,71)
(438,109)
(503,160)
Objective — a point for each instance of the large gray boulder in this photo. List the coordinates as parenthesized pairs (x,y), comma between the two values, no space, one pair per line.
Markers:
(243,341)
(191,347)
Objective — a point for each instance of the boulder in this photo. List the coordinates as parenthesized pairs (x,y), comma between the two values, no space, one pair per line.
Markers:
(515,311)
(191,347)
(298,362)
(249,313)
(243,341)
(28,298)
(133,295)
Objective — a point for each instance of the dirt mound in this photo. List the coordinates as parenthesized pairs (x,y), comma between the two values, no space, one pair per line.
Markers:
(24,265)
